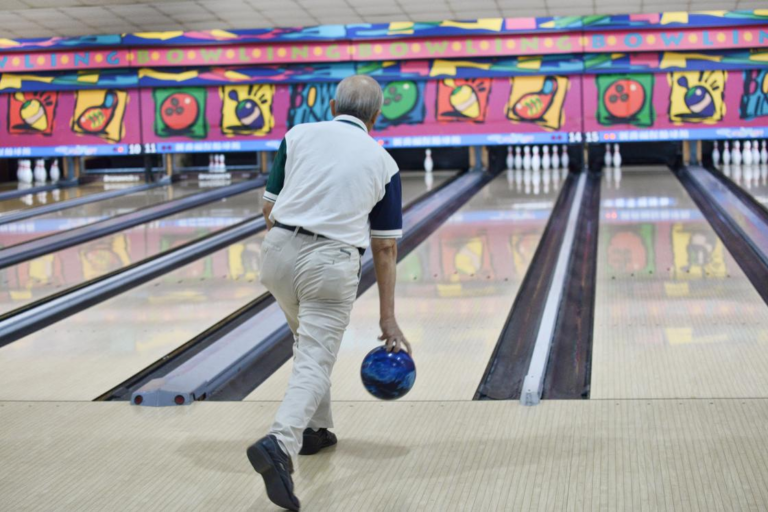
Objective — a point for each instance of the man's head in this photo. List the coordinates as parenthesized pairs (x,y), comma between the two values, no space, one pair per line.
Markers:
(359,96)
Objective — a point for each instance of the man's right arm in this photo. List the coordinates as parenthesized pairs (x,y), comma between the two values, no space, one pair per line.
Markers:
(275,182)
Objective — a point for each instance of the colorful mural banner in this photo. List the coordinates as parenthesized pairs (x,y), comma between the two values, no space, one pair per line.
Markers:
(23,62)
(675,19)
(415,113)
(672,40)
(87,122)
(675,61)
(677,105)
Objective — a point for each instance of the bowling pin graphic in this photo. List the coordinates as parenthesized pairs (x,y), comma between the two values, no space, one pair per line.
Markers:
(40,174)
(747,155)
(55,173)
(736,153)
(428,163)
(564,160)
(545,161)
(755,154)
(536,159)
(518,159)
(555,158)
(616,156)
(726,154)
(510,159)
(527,158)
(607,159)
(715,154)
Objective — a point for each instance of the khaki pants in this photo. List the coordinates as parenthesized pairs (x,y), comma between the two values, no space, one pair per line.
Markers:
(314,280)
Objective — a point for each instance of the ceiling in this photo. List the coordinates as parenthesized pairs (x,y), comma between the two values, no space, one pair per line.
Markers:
(43,18)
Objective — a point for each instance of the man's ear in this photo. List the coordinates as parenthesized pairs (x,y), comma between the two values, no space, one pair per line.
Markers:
(375,117)
(333,108)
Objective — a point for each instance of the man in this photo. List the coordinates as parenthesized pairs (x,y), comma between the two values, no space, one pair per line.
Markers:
(331,193)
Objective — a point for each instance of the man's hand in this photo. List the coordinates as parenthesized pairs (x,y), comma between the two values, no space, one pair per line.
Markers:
(267,210)
(393,337)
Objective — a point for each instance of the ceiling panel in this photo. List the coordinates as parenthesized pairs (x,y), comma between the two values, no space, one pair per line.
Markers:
(40,18)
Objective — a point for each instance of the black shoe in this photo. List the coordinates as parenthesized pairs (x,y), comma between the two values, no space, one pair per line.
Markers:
(316,441)
(275,467)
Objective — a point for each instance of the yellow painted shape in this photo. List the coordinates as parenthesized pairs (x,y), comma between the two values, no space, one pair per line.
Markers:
(162,36)
(234,75)
(449,67)
(675,59)
(8,43)
(89,78)
(10,81)
(533,63)
(714,13)
(401,27)
(494,24)
(160,75)
(674,17)
(223,34)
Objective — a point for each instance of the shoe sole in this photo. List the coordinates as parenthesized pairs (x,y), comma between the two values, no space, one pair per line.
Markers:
(276,491)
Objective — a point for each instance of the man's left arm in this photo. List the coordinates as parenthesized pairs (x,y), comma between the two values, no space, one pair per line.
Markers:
(275,182)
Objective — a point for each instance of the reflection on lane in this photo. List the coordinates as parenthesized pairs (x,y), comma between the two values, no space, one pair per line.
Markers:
(454,293)
(752,178)
(675,315)
(52,273)
(36,227)
(84,355)
(57,195)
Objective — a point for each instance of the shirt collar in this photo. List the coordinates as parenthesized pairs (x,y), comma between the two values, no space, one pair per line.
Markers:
(352,120)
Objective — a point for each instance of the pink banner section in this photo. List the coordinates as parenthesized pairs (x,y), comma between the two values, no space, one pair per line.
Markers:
(681,39)
(96,121)
(82,59)
(675,106)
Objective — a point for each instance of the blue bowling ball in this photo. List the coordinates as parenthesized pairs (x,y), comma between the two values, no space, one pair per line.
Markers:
(388,375)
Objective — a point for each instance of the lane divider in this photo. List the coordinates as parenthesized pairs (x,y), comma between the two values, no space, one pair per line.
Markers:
(534,378)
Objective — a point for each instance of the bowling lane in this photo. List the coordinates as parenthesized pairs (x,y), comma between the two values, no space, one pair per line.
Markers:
(416,183)
(752,178)
(82,356)
(32,280)
(36,227)
(52,196)
(675,315)
(453,295)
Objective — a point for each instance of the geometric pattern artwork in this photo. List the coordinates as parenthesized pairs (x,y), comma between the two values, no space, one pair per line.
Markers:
(697,96)
(538,100)
(625,99)
(180,112)
(100,113)
(463,100)
(247,109)
(310,103)
(32,112)
(754,99)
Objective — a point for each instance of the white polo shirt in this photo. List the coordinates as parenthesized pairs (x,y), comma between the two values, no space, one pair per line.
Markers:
(333,179)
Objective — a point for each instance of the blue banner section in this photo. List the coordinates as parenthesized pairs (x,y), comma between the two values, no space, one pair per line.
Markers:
(677,134)
(79,150)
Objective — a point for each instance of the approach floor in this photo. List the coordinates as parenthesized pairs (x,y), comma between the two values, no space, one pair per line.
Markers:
(57,195)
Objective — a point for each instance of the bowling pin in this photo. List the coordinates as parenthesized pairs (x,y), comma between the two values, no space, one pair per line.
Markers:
(25,173)
(564,160)
(545,161)
(764,154)
(536,159)
(20,171)
(211,163)
(555,158)
(42,197)
(715,154)
(223,163)
(616,156)
(518,159)
(607,159)
(747,155)
(56,194)
(726,154)
(428,163)
(510,159)
(40,174)
(429,180)
(55,173)
(617,177)
(736,153)
(755,153)
(527,158)
(28,199)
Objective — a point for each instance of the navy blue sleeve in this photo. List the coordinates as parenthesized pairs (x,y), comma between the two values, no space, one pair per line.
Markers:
(387,216)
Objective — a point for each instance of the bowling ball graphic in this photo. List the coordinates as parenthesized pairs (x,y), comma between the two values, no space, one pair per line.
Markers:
(534,105)
(465,101)
(388,375)
(624,98)
(95,119)
(399,99)
(698,99)
(179,111)
(247,112)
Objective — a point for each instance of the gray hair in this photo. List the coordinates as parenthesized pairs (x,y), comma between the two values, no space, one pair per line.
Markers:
(359,96)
